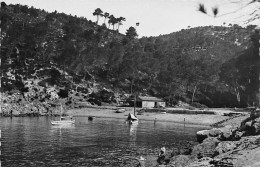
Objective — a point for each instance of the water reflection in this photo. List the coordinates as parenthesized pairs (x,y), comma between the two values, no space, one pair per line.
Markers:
(63,126)
(133,130)
(35,142)
(132,133)
(58,129)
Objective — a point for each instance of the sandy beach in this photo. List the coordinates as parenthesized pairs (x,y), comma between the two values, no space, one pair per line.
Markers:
(199,119)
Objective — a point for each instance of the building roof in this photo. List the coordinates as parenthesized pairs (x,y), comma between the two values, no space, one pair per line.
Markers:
(145,98)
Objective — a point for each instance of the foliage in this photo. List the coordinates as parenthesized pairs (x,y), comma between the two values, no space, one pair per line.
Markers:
(194,65)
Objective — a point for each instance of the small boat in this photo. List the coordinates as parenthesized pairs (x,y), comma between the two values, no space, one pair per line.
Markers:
(63,120)
(122,110)
(132,119)
(91,117)
(63,126)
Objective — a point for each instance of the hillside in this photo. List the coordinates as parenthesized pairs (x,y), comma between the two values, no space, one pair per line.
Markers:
(76,58)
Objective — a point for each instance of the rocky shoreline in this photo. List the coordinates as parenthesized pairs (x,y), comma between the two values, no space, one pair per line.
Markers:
(234,145)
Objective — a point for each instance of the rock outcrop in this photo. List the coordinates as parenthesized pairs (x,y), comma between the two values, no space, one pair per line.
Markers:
(226,146)
(179,161)
(205,149)
(203,134)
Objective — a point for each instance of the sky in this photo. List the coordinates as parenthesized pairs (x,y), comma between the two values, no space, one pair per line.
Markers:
(156,17)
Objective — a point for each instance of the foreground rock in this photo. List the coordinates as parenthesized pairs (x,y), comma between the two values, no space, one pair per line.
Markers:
(206,149)
(234,146)
(249,126)
(203,134)
(227,146)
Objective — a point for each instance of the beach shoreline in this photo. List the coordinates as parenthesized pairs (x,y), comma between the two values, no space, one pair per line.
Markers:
(196,119)
(196,116)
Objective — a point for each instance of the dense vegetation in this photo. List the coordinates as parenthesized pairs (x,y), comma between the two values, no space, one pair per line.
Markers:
(215,66)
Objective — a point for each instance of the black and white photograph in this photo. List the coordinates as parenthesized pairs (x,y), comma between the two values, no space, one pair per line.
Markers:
(130,83)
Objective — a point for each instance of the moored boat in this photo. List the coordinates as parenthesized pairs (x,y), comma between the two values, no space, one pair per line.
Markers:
(91,117)
(63,120)
(132,119)
(121,110)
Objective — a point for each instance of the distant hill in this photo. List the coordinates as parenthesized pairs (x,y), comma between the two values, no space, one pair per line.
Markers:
(215,66)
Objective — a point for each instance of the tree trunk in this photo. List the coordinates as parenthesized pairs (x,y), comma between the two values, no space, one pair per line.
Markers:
(193,94)
(237,92)
(237,95)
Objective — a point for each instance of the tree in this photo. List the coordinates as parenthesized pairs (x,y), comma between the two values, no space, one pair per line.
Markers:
(3,4)
(230,76)
(119,21)
(109,21)
(112,20)
(131,33)
(106,15)
(98,12)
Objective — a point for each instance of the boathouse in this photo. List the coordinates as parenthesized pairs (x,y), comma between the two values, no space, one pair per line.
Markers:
(149,102)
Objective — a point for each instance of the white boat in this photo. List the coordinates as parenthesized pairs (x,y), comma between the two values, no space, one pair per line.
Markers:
(63,120)
(132,119)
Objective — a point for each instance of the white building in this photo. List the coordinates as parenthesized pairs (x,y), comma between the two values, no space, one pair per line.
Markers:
(149,102)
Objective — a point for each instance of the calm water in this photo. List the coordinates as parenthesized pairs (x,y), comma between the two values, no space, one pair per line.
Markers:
(102,142)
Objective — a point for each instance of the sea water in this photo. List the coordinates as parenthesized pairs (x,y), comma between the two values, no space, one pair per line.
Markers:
(103,142)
